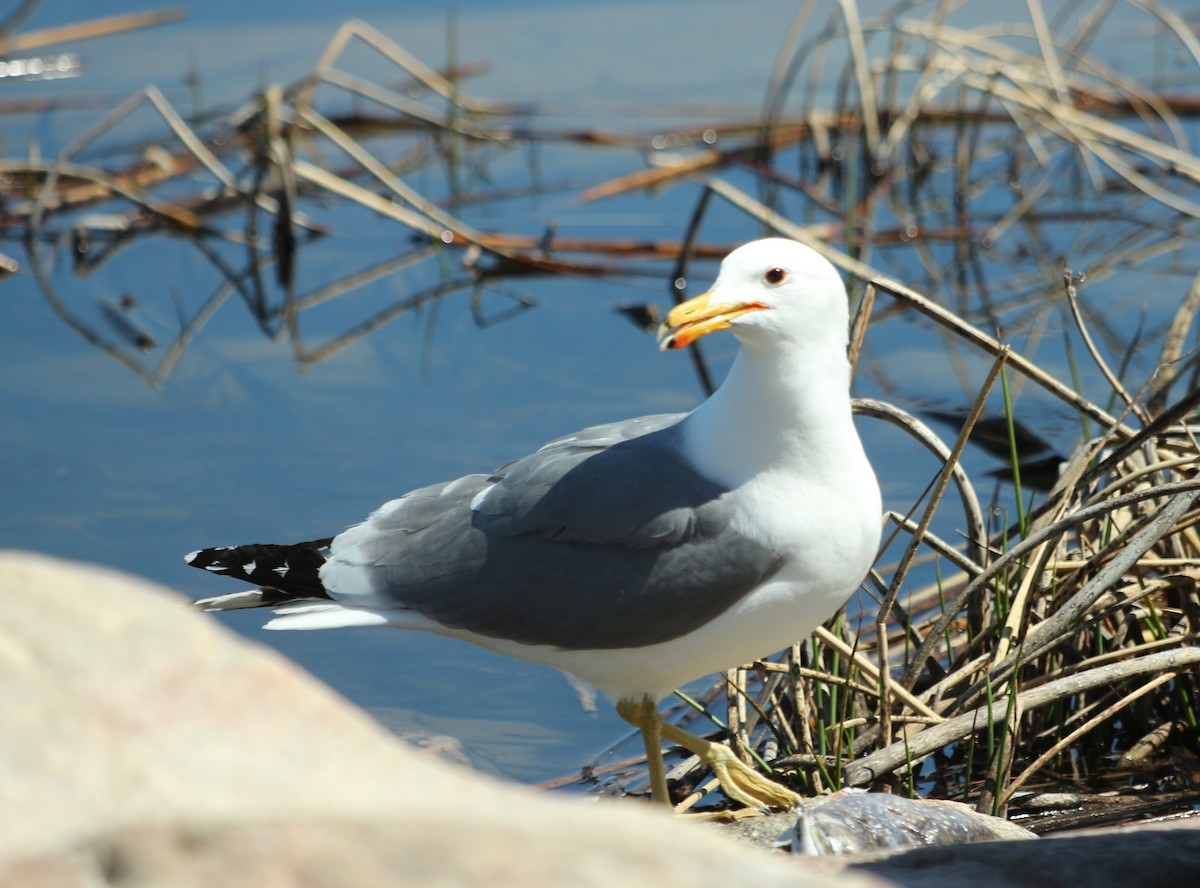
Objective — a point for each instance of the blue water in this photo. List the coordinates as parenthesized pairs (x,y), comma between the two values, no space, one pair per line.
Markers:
(238,445)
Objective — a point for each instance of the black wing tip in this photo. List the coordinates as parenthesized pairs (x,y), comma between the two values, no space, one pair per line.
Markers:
(292,571)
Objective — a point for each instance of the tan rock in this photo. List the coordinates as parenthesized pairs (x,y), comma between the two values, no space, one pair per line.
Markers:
(145,745)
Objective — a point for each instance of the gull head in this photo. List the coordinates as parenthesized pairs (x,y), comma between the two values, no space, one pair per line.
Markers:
(768,291)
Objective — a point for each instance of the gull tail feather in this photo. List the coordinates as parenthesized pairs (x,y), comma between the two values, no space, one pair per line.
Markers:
(234,600)
(289,580)
(323,615)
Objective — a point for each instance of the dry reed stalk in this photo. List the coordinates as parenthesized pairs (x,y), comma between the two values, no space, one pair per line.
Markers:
(913,749)
(87,30)
(406,61)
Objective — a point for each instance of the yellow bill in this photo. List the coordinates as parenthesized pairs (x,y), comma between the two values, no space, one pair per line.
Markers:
(688,321)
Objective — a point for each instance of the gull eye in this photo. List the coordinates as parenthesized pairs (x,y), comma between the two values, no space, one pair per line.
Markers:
(775,276)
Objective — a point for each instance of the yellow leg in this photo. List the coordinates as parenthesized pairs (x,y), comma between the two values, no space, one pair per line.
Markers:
(739,781)
(643,714)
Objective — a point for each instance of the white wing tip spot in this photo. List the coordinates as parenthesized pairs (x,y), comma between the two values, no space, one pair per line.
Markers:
(192,556)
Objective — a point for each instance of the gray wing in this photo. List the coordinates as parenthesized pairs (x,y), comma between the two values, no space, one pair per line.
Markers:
(602,539)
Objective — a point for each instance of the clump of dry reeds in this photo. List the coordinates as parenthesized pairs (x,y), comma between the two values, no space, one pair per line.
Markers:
(1047,654)
(1062,649)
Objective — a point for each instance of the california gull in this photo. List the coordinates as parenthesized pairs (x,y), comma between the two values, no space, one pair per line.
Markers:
(641,554)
